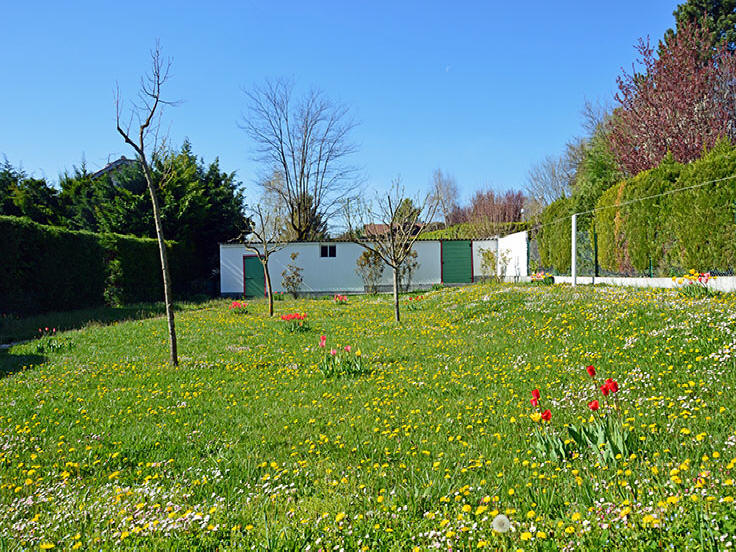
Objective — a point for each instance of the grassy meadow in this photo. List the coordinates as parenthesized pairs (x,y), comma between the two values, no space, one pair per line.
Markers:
(247,445)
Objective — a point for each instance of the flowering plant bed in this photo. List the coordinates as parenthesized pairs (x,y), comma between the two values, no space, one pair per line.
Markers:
(604,435)
(542,278)
(239,307)
(341,361)
(413,302)
(694,284)
(49,342)
(296,321)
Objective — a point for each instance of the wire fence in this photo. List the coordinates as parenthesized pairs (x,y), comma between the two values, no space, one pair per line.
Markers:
(655,229)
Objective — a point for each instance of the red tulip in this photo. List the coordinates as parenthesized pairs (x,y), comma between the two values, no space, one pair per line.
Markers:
(322,340)
(593,405)
(612,385)
(535,402)
(605,389)
(546,415)
(591,370)
(535,393)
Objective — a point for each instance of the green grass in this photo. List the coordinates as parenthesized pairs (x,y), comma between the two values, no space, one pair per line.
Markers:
(247,445)
(16,328)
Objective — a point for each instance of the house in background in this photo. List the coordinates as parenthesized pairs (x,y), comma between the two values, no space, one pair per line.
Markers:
(113,167)
(330,266)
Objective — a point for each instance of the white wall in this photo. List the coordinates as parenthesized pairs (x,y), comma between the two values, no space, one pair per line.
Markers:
(323,274)
(721,283)
(478,246)
(514,248)
(231,268)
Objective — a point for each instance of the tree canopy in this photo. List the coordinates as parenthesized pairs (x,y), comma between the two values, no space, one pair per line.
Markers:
(718,17)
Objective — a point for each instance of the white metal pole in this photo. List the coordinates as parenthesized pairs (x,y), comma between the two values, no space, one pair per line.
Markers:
(573,251)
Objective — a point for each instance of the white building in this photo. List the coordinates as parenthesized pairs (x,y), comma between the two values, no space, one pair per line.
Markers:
(330,267)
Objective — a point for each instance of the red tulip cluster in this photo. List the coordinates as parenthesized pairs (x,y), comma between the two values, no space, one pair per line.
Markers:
(340,298)
(296,321)
(293,316)
(546,415)
(238,306)
(609,386)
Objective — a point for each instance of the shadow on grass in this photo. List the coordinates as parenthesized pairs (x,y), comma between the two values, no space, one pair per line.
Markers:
(11,363)
(14,329)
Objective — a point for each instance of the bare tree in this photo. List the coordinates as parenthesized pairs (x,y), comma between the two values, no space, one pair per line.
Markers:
(265,240)
(492,212)
(146,114)
(554,177)
(595,115)
(306,142)
(445,191)
(389,229)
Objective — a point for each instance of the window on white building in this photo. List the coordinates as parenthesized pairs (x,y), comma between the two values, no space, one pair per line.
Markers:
(328,251)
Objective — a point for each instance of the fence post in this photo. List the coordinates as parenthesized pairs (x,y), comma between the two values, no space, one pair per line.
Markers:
(595,255)
(573,252)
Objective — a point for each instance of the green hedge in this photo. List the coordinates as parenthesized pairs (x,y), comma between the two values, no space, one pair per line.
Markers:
(647,241)
(46,268)
(703,220)
(554,237)
(607,227)
(671,233)
(475,231)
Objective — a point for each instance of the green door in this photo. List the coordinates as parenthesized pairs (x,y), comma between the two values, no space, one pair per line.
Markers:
(254,280)
(457,262)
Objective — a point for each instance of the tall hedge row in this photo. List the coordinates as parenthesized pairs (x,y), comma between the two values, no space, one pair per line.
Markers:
(693,228)
(45,268)
(554,238)
(48,268)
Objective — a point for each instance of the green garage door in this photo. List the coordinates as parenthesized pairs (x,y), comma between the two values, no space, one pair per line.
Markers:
(457,262)
(254,280)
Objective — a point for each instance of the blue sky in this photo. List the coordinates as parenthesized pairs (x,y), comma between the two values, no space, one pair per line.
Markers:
(480,89)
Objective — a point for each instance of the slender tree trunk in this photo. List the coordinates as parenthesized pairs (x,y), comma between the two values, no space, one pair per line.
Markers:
(396,294)
(168,296)
(268,288)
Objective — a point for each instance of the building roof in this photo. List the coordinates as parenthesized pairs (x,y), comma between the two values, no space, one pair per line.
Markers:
(114,166)
(345,240)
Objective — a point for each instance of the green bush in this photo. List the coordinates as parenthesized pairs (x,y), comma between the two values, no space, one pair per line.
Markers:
(702,219)
(139,277)
(648,242)
(47,268)
(606,225)
(554,236)
(474,230)
(693,228)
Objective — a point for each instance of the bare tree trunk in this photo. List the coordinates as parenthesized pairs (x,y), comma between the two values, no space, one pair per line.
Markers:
(396,294)
(268,288)
(150,94)
(168,295)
